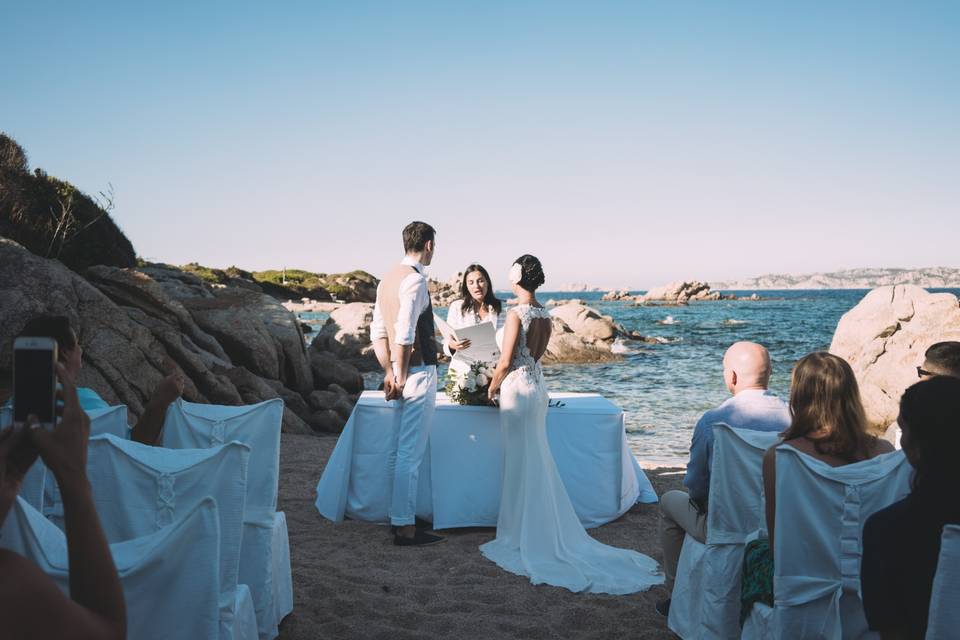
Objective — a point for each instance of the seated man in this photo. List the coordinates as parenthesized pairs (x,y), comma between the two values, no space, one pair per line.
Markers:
(940,359)
(746,372)
(70,354)
(31,603)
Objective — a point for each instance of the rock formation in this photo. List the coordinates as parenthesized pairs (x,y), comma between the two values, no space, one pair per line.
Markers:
(232,344)
(346,335)
(884,338)
(680,292)
(443,293)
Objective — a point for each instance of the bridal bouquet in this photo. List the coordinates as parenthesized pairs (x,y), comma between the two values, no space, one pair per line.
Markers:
(470,387)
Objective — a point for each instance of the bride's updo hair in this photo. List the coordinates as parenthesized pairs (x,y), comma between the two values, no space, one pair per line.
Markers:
(532,272)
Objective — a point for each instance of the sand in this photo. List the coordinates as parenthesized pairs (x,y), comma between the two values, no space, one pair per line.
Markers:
(350,581)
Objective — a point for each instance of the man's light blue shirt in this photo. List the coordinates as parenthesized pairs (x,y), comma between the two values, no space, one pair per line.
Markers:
(756,409)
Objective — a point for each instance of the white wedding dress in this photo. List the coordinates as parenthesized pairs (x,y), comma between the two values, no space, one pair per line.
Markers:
(538,532)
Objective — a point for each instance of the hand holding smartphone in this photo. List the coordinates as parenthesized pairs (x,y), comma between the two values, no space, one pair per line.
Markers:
(35,380)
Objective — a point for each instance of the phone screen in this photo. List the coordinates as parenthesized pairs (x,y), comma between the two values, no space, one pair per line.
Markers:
(33,386)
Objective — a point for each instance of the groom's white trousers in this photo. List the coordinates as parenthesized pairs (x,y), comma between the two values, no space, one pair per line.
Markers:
(410,441)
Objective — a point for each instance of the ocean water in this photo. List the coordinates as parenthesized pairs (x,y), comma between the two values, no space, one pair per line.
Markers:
(664,388)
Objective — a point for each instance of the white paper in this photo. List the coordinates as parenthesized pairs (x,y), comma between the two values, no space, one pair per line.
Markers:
(445,329)
(483,344)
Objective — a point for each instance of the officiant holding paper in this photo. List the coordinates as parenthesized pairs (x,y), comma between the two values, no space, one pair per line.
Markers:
(477,305)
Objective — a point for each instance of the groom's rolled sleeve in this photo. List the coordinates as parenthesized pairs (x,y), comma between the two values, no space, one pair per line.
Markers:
(378,330)
(413,300)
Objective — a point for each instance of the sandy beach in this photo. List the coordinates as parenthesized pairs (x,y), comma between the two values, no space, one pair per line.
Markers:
(350,581)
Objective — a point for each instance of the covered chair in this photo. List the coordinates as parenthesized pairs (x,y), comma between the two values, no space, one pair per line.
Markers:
(265,551)
(139,489)
(943,622)
(112,420)
(170,578)
(817,546)
(706,596)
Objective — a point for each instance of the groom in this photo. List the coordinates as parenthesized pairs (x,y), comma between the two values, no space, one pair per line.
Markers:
(403,339)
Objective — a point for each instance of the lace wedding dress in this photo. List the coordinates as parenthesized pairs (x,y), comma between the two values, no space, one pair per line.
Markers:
(538,532)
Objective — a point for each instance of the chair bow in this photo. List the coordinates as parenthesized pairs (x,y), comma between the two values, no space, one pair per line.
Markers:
(166,500)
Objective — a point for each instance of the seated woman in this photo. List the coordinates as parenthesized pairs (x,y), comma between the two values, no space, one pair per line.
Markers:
(477,304)
(901,543)
(828,422)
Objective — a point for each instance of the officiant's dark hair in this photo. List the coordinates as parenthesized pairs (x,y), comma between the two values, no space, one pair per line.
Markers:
(532,272)
(416,235)
(490,300)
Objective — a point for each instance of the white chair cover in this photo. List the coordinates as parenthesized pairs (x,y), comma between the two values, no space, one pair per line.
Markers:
(820,515)
(139,489)
(164,599)
(944,619)
(706,596)
(264,561)
(112,420)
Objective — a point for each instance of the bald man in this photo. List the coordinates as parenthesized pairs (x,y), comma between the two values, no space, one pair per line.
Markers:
(746,372)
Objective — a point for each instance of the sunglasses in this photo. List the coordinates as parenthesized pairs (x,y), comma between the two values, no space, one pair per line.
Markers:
(923,372)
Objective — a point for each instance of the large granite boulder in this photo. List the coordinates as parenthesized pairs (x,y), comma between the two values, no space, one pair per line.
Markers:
(257,332)
(884,338)
(587,322)
(123,360)
(346,335)
(328,370)
(566,346)
(680,292)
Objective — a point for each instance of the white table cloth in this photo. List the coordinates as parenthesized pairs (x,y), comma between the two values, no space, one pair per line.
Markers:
(460,478)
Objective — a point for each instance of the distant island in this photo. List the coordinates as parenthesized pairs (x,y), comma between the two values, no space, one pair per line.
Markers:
(864,278)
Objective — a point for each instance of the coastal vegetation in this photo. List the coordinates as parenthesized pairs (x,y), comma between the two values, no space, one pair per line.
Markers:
(54,219)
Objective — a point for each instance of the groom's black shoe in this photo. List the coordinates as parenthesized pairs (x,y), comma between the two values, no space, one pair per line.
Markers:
(663,607)
(420,539)
(421,524)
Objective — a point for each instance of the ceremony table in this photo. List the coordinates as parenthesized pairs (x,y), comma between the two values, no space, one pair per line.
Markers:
(460,478)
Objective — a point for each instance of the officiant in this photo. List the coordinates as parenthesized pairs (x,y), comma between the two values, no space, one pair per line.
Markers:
(477,304)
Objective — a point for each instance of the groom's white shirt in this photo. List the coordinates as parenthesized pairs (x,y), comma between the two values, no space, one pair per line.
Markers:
(414,298)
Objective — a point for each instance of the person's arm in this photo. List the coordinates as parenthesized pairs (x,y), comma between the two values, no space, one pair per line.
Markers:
(697,478)
(511,332)
(455,320)
(770,490)
(148,427)
(96,608)
(414,298)
(381,348)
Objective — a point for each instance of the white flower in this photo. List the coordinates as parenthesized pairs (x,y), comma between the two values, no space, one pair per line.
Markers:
(471,385)
(482,380)
(516,273)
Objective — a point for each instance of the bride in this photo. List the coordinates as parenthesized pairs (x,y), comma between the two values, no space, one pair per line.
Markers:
(538,532)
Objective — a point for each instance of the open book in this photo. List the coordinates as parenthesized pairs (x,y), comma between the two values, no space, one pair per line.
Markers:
(483,341)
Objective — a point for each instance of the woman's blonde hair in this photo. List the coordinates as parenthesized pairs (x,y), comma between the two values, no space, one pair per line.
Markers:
(824,394)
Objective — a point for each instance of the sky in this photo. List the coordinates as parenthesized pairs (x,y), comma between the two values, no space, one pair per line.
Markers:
(624,143)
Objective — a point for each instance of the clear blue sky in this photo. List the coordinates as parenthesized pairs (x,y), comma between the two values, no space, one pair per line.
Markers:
(625,143)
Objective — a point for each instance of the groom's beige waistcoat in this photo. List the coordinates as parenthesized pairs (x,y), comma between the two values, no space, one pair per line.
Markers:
(388,297)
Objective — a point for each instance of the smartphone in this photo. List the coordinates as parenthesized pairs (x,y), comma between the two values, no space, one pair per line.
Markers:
(35,380)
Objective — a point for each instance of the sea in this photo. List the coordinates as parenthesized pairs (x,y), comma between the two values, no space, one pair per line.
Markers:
(664,388)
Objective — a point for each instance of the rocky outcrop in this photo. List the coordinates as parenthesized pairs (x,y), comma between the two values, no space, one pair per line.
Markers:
(621,294)
(346,335)
(680,292)
(587,322)
(232,344)
(443,293)
(567,347)
(884,338)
